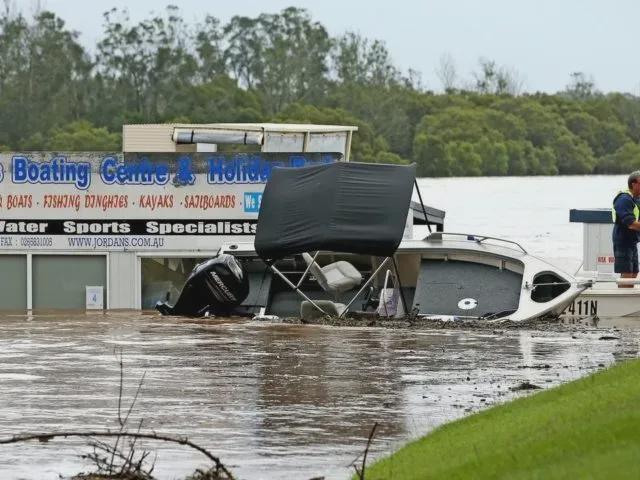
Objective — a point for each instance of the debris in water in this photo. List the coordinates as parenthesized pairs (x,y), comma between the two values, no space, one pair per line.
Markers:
(524,386)
(537,367)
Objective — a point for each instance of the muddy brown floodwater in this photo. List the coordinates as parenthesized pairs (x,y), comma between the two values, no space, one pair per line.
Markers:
(272,400)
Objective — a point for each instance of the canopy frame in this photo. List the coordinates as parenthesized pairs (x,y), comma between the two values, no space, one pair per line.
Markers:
(296,287)
(364,211)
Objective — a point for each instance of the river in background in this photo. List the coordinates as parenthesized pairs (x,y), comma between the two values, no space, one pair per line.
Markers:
(290,401)
(533,211)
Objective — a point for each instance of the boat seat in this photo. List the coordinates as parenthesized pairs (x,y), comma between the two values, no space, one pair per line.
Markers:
(335,277)
(308,311)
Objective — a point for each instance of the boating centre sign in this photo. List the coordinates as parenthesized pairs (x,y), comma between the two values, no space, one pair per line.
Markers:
(80,201)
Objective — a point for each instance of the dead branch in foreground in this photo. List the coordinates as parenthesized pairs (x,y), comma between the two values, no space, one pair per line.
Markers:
(360,471)
(45,437)
(105,456)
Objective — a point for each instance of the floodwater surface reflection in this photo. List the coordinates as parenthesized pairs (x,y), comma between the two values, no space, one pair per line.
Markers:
(271,400)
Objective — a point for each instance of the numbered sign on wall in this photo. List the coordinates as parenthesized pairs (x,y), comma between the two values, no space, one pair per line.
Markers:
(95,295)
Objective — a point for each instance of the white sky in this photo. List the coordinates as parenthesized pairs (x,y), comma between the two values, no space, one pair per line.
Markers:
(544,40)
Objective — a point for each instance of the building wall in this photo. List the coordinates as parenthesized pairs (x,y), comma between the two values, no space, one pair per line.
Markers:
(123,266)
(151,138)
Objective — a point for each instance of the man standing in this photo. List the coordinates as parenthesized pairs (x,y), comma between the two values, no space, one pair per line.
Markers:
(626,229)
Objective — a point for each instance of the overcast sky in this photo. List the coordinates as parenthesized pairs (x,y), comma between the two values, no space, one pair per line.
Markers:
(543,40)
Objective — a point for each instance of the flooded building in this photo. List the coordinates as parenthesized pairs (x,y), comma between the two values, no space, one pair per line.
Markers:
(122,230)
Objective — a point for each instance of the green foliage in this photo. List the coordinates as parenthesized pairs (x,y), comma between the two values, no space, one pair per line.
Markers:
(283,56)
(495,160)
(584,429)
(581,87)
(573,155)
(286,67)
(626,159)
(43,76)
(147,65)
(392,111)
(75,136)
(496,80)
(516,136)
(464,160)
(82,136)
(219,100)
(362,62)
(430,153)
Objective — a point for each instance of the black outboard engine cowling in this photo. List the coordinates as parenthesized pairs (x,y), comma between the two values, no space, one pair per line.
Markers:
(214,287)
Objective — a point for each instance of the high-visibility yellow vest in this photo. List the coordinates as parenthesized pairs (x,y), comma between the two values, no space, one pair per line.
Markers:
(636,210)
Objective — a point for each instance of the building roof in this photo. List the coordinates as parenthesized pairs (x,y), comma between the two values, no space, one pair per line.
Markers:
(169,137)
(264,127)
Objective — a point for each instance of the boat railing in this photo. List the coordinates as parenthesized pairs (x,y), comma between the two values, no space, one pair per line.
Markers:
(437,236)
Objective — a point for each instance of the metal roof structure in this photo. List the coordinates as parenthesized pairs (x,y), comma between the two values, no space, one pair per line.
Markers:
(270,137)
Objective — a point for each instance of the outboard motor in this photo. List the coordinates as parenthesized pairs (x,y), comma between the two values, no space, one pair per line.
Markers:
(214,287)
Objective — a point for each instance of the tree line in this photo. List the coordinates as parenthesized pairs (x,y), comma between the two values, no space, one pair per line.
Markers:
(56,94)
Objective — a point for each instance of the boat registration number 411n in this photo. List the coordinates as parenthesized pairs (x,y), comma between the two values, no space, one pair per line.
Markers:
(582,307)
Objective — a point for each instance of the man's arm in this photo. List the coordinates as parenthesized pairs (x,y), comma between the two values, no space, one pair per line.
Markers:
(624,206)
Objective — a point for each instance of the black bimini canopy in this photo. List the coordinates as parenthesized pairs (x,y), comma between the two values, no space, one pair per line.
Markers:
(342,207)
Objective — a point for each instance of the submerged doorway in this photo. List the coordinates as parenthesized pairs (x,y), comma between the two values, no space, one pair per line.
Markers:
(60,281)
(13,282)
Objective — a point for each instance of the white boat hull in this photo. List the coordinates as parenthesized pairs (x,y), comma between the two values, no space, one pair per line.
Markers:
(606,301)
(506,255)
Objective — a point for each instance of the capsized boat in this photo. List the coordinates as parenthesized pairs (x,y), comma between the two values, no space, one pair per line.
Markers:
(444,276)
(330,241)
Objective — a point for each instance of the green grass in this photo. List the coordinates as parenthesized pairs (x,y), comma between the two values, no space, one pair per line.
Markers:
(585,429)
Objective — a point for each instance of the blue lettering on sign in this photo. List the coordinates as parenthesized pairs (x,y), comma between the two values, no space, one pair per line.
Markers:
(139,173)
(56,171)
(296,161)
(253,168)
(184,174)
(245,169)
(252,201)
(1,173)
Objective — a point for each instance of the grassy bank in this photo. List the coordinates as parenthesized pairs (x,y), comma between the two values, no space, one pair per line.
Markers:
(589,428)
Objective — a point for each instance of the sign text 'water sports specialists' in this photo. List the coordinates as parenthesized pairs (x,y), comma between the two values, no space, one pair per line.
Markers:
(125,227)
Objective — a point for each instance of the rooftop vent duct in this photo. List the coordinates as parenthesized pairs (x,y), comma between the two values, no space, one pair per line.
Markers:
(191,136)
